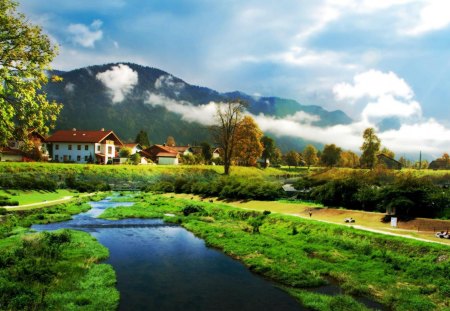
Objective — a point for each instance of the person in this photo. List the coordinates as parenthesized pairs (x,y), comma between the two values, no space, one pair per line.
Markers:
(310,213)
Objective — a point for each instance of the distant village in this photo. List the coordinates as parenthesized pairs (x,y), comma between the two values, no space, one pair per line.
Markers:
(96,147)
(105,147)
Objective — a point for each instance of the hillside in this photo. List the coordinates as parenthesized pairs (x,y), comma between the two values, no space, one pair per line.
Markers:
(90,104)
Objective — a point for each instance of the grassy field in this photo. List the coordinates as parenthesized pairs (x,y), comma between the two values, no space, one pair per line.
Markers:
(418,228)
(301,253)
(31,197)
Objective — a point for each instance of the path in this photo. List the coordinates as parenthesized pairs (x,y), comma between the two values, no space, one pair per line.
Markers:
(46,202)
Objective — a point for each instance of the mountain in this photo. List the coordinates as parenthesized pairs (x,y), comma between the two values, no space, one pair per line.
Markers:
(107,101)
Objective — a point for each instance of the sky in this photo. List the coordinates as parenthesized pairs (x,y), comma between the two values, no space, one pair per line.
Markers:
(385,63)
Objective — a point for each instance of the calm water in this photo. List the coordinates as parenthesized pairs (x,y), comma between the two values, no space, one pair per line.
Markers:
(164,267)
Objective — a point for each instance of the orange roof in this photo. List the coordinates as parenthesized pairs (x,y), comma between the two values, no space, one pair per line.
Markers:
(77,136)
(167,154)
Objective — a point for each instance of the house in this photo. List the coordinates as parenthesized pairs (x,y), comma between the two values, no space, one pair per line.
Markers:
(83,146)
(217,153)
(439,164)
(163,155)
(14,152)
(8,154)
(182,150)
(134,147)
(388,162)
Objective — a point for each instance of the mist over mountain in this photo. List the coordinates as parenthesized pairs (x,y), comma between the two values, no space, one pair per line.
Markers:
(128,97)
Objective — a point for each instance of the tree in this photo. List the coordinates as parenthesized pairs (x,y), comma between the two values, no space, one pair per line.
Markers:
(142,139)
(349,159)
(125,152)
(206,152)
(25,57)
(292,158)
(228,116)
(310,155)
(135,158)
(268,152)
(170,141)
(248,142)
(369,148)
(277,157)
(330,155)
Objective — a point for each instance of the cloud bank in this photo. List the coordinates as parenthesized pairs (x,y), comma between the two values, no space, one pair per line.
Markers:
(119,80)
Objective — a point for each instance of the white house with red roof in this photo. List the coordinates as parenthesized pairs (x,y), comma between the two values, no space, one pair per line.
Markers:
(162,155)
(83,146)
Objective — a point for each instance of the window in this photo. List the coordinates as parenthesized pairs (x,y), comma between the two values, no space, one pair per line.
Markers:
(56,157)
(86,158)
(79,147)
(86,147)
(70,158)
(56,147)
(98,148)
(69,147)
(78,157)
(110,150)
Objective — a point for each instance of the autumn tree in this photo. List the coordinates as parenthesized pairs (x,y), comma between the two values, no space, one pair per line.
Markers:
(310,155)
(330,155)
(228,115)
(170,141)
(268,149)
(369,148)
(142,139)
(277,157)
(25,57)
(349,159)
(248,142)
(292,158)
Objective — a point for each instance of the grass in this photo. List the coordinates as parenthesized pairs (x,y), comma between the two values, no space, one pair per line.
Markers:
(71,281)
(300,253)
(32,196)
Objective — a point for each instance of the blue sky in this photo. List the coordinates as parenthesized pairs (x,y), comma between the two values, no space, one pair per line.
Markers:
(375,60)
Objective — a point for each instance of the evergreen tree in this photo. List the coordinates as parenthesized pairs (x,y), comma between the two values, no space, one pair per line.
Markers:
(142,139)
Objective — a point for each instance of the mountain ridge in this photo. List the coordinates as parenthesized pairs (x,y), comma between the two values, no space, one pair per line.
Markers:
(88,105)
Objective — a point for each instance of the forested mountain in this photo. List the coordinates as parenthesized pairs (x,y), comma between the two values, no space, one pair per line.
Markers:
(92,102)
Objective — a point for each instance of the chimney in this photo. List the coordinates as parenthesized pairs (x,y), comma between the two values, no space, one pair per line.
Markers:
(74,129)
(103,129)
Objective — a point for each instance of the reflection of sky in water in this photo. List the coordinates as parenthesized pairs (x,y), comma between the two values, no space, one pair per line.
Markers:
(165,267)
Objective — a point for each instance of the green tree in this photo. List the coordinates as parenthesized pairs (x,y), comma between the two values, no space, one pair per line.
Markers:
(206,152)
(268,152)
(135,158)
(25,57)
(330,155)
(292,158)
(370,148)
(142,139)
(125,152)
(310,155)
(387,152)
(228,115)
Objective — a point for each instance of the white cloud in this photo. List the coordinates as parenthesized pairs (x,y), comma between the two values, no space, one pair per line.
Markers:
(434,15)
(203,114)
(69,87)
(302,117)
(86,36)
(387,106)
(373,84)
(167,81)
(120,80)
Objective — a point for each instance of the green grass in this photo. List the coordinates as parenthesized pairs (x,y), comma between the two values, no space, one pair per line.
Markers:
(30,197)
(70,281)
(299,253)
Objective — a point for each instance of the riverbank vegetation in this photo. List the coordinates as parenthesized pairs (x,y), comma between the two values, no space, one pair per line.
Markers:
(53,271)
(302,254)
(408,194)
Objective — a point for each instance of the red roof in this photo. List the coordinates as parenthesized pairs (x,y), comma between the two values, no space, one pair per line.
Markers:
(76,136)
(167,154)
(11,151)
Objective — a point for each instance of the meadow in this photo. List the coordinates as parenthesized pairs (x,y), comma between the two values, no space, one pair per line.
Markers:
(53,271)
(301,255)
